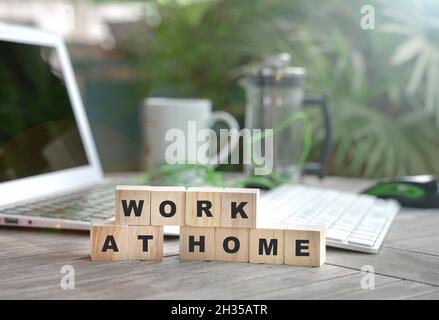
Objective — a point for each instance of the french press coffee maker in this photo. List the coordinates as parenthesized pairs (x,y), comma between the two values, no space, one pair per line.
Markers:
(274,93)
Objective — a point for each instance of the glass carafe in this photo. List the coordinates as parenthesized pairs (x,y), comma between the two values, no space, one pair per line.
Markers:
(275,100)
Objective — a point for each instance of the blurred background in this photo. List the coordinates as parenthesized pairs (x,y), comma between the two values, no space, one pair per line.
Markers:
(383,80)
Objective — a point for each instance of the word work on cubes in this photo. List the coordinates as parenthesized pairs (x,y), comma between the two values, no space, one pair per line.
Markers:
(216,224)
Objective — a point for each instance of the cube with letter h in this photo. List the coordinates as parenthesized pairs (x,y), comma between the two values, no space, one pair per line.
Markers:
(215,224)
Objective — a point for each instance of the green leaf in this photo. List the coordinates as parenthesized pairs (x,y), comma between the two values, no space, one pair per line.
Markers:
(407,50)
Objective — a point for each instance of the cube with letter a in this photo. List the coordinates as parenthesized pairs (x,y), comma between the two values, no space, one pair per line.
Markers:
(109,242)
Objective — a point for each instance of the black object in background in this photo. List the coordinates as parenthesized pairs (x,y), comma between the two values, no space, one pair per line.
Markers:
(38,130)
(411,191)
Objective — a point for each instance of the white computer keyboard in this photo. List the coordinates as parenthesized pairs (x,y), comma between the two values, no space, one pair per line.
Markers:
(352,221)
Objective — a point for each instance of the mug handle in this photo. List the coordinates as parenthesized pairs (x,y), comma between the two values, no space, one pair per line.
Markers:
(224,152)
(319,168)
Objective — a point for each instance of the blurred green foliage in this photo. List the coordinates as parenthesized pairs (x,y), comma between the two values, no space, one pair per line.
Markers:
(383,82)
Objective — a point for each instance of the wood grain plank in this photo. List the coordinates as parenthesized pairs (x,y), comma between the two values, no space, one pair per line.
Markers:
(396,289)
(150,280)
(398,263)
(349,288)
(31,260)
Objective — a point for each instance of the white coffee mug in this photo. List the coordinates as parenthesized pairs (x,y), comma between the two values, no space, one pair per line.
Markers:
(159,115)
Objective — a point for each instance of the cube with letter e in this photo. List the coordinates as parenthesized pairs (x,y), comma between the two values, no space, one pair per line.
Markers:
(305,247)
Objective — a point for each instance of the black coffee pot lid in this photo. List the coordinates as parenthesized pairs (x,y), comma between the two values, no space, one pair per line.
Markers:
(276,71)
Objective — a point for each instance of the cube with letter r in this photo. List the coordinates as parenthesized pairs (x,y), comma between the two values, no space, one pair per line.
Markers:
(203,207)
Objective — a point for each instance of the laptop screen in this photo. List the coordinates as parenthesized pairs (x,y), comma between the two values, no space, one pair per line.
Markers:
(38,130)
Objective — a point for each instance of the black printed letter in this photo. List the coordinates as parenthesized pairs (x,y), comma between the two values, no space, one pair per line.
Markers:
(204,205)
(272,247)
(235,247)
(193,243)
(132,206)
(145,241)
(239,209)
(170,213)
(110,244)
(300,246)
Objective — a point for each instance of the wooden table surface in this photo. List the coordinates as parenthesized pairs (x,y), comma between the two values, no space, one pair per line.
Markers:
(407,267)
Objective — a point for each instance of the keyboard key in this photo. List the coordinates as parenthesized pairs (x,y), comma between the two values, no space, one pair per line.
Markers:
(10,211)
(339,235)
(373,236)
(364,232)
(362,242)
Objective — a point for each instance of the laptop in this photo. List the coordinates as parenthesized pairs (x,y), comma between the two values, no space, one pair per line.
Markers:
(51,177)
(50,174)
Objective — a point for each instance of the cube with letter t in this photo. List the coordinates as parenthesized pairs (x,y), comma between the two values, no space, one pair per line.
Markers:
(145,243)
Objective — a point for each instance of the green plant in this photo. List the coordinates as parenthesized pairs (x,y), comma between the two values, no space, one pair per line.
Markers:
(418,24)
(381,82)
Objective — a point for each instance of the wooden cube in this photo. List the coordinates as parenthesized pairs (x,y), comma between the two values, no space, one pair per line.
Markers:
(109,242)
(203,207)
(145,242)
(267,246)
(168,206)
(132,205)
(232,244)
(305,247)
(239,207)
(197,243)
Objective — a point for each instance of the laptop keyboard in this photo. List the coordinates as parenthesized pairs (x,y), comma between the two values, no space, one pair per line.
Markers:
(96,203)
(352,221)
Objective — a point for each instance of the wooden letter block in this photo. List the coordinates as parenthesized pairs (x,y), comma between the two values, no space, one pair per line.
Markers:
(232,244)
(305,247)
(109,242)
(168,206)
(145,243)
(133,205)
(239,207)
(203,207)
(267,246)
(197,243)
